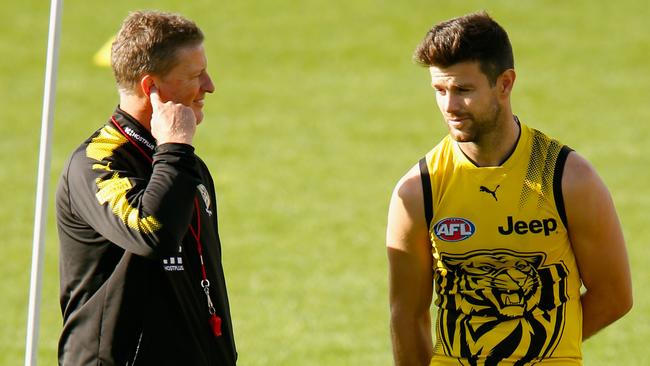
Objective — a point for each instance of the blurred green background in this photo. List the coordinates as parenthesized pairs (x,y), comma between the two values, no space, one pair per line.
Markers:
(318,111)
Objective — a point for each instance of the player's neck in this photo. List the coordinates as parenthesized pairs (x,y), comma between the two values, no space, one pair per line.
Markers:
(495,148)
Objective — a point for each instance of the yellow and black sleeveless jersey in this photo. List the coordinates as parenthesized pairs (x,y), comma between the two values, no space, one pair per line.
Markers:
(129,267)
(506,280)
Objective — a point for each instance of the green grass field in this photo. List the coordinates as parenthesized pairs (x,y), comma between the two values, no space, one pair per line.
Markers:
(318,111)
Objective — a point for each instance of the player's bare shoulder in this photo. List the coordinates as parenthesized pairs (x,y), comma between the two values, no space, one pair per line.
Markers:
(586,199)
(409,187)
(579,176)
(406,219)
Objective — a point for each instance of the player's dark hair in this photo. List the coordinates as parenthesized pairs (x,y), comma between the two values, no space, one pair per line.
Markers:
(147,44)
(472,37)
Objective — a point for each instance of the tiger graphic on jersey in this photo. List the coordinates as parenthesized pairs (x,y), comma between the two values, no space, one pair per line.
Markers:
(504,293)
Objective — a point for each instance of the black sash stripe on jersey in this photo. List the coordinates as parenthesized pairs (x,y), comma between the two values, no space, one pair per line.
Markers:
(557,183)
(426,191)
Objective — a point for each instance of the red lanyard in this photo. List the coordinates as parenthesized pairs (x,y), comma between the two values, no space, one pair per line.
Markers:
(213,320)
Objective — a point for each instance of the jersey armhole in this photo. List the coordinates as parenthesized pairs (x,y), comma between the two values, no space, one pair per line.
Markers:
(557,183)
(426,192)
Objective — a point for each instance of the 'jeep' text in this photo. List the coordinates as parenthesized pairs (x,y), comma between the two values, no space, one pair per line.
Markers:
(520,227)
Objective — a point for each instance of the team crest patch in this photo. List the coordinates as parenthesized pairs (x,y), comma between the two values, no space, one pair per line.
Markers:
(206,198)
(454,229)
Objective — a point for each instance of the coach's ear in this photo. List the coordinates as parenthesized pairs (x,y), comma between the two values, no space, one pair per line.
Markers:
(146,83)
(505,83)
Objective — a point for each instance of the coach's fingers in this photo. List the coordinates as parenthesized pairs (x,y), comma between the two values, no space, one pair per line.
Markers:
(154,98)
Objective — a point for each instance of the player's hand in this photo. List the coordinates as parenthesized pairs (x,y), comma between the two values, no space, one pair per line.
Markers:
(170,121)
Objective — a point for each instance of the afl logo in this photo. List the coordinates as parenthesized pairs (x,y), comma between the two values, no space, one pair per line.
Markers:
(454,229)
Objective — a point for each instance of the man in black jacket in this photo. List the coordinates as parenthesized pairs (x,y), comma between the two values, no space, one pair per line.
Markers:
(140,258)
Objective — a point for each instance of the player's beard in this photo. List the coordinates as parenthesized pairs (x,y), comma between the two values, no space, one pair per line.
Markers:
(479,125)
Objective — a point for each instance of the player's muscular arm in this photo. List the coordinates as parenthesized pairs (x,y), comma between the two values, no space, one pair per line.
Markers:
(171,122)
(598,244)
(410,273)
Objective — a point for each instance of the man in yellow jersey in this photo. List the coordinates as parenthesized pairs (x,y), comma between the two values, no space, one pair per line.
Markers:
(504,222)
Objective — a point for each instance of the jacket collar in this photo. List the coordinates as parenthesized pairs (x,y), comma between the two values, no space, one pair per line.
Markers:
(133,130)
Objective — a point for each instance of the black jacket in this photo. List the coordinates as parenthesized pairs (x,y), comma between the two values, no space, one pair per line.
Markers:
(129,266)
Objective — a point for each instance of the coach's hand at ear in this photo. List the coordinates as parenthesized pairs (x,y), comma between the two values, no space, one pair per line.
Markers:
(170,121)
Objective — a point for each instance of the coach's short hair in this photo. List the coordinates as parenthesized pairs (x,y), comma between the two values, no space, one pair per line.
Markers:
(147,44)
(472,37)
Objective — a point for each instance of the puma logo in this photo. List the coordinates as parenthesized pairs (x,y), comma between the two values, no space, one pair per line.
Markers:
(487,190)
